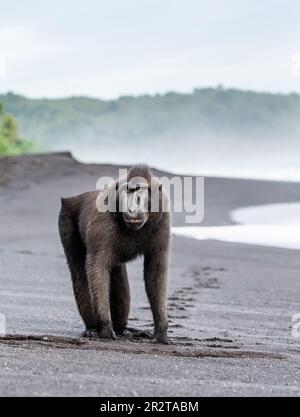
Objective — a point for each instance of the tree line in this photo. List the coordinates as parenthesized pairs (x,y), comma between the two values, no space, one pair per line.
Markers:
(11,142)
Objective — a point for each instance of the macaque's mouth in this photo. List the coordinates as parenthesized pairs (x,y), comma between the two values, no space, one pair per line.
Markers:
(135,221)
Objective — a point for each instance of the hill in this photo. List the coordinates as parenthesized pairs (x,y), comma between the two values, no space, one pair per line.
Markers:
(218,113)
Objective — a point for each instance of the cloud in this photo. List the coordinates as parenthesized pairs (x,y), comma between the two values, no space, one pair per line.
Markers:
(111,48)
(22,46)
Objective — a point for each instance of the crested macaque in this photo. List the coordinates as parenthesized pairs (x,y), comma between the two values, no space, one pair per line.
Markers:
(99,242)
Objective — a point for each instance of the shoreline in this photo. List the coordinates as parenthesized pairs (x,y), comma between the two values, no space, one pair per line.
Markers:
(69,155)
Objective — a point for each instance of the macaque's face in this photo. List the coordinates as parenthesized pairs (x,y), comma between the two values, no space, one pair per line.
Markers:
(134,198)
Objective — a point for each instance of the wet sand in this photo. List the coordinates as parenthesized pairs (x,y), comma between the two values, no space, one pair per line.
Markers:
(230,305)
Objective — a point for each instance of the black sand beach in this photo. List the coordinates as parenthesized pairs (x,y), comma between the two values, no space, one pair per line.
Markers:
(230,305)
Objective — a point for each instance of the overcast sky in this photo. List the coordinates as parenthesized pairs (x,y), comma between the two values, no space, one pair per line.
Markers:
(117,47)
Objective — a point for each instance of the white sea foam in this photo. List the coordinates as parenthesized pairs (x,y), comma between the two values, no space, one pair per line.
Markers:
(276,225)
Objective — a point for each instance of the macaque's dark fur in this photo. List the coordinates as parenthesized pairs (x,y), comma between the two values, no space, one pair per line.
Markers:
(97,247)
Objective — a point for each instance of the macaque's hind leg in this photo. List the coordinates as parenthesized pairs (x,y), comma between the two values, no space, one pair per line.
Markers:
(76,253)
(83,300)
(119,298)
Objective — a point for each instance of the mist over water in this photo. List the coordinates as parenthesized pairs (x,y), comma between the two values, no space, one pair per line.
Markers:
(210,131)
(244,158)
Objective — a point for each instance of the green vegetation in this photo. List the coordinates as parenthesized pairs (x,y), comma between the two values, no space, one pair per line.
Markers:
(10,141)
(206,113)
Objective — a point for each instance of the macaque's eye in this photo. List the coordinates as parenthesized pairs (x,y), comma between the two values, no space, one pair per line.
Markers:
(129,190)
(133,189)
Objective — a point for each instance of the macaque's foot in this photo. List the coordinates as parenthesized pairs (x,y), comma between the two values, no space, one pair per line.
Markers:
(160,337)
(106,332)
(89,333)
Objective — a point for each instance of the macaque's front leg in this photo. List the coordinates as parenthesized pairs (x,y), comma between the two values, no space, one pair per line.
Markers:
(156,279)
(98,276)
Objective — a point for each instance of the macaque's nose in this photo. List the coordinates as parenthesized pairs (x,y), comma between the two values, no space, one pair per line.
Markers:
(134,210)
(134,214)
